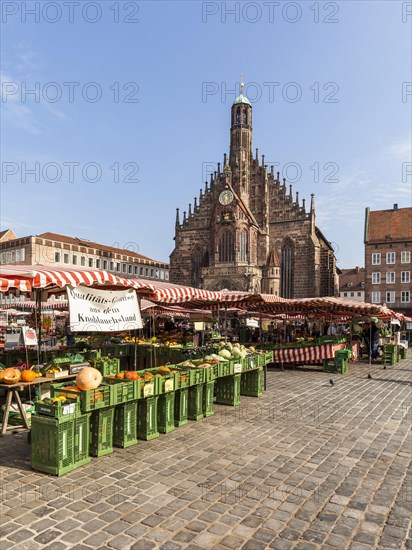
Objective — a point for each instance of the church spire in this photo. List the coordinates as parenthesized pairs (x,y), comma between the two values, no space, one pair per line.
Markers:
(177,217)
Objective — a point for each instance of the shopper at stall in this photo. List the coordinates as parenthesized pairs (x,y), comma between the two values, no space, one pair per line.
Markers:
(374,340)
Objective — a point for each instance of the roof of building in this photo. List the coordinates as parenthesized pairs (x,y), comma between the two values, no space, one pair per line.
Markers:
(353,279)
(90,244)
(7,235)
(387,225)
(241,99)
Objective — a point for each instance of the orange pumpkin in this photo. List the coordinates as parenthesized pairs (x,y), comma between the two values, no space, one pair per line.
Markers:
(89,378)
(28,376)
(11,376)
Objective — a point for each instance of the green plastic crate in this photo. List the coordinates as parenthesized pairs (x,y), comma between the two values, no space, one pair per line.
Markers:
(251,383)
(338,366)
(125,425)
(195,406)
(181,406)
(70,408)
(403,352)
(122,390)
(228,390)
(166,412)
(195,376)
(90,400)
(388,359)
(59,445)
(108,366)
(101,432)
(147,418)
(208,406)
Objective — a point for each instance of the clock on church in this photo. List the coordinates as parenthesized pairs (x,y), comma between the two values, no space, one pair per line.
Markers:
(226,197)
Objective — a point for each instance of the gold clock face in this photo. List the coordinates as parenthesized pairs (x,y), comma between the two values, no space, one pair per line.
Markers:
(226,197)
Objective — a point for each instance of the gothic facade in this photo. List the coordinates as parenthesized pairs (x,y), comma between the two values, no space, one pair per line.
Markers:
(247,232)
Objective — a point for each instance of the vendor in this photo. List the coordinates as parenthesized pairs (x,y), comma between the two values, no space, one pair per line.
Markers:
(315,331)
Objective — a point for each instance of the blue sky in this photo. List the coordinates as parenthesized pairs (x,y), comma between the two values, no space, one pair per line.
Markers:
(327,105)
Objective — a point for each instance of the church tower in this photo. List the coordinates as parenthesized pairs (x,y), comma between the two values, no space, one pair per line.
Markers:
(240,157)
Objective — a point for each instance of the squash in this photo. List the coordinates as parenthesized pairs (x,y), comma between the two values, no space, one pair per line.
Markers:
(89,378)
(11,376)
(28,376)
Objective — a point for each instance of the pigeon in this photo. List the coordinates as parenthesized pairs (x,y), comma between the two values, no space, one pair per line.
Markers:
(331,382)
(369,376)
(384,367)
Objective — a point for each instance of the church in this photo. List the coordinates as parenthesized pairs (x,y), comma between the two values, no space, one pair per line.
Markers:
(247,232)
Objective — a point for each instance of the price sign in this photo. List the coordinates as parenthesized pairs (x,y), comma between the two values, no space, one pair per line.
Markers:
(148,390)
(238,368)
(169,386)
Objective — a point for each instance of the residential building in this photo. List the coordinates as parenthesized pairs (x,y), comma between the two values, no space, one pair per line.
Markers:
(352,284)
(72,252)
(388,262)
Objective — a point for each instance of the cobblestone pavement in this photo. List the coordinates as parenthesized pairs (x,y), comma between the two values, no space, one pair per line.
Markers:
(308,466)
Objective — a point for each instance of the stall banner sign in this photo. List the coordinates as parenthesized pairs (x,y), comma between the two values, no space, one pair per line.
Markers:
(94,310)
(252,323)
(29,336)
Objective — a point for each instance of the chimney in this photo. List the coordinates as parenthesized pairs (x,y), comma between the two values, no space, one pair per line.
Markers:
(395,206)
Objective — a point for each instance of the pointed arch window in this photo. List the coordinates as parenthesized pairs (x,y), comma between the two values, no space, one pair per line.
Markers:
(227,247)
(243,246)
(244,118)
(286,274)
(238,115)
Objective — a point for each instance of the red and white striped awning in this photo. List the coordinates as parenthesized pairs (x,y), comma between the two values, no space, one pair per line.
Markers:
(168,293)
(7,284)
(31,304)
(46,278)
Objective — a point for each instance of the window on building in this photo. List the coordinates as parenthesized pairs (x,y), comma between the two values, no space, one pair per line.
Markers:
(286,274)
(390,297)
(244,116)
(405,276)
(345,294)
(90,262)
(57,257)
(243,246)
(147,272)
(238,115)
(136,270)
(98,264)
(166,275)
(390,257)
(352,294)
(405,296)
(66,258)
(74,260)
(124,268)
(162,274)
(390,277)
(111,266)
(152,273)
(376,297)
(226,247)
(405,257)
(156,273)
(359,293)
(376,258)
(141,271)
(83,261)
(376,278)
(130,269)
(104,264)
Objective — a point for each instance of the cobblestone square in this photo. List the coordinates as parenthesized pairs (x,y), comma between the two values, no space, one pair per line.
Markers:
(308,466)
